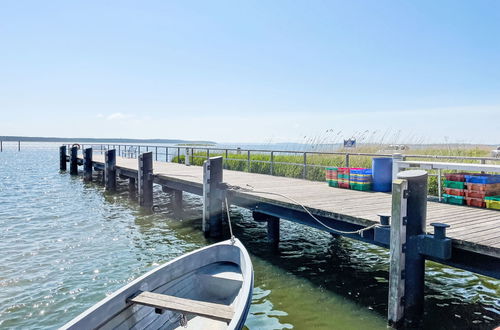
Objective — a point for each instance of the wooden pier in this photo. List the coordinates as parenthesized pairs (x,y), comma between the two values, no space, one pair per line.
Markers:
(417,230)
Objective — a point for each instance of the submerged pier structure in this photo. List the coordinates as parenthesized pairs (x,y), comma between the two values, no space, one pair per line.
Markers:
(413,228)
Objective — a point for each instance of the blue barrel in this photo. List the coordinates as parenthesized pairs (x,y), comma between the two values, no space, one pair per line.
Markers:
(382,174)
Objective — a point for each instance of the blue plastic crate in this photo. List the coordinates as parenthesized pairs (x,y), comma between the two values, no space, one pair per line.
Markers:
(483,178)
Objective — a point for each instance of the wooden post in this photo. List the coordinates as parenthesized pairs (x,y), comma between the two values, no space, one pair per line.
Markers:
(406,287)
(395,167)
(110,170)
(145,179)
(397,253)
(176,200)
(273,230)
(131,188)
(18,145)
(62,158)
(73,165)
(212,200)
(87,165)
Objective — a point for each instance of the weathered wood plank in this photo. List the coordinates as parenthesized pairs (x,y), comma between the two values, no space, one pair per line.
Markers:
(183,305)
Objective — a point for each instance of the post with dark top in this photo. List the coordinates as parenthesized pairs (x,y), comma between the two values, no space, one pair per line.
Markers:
(73,161)
(87,165)
(212,197)
(110,170)
(145,179)
(62,158)
(407,264)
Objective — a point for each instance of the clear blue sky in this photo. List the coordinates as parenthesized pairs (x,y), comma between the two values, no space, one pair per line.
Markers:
(251,71)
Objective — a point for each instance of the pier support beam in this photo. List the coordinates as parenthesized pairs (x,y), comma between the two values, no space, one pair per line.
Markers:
(62,158)
(131,188)
(212,197)
(73,161)
(273,226)
(407,264)
(87,165)
(176,200)
(110,170)
(145,179)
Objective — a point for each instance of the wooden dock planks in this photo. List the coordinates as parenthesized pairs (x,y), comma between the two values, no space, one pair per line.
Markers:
(472,229)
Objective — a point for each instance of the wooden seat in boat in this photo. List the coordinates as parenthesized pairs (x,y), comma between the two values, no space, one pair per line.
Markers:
(183,305)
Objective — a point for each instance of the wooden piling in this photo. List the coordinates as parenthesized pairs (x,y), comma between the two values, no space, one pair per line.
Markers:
(87,165)
(145,179)
(62,158)
(131,188)
(73,161)
(1,145)
(110,170)
(18,145)
(212,197)
(407,266)
(273,230)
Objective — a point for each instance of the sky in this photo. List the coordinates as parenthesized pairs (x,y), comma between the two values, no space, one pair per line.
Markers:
(252,71)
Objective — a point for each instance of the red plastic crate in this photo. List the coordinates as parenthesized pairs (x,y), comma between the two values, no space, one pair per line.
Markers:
(480,194)
(344,185)
(477,202)
(454,192)
(343,170)
(483,187)
(456,176)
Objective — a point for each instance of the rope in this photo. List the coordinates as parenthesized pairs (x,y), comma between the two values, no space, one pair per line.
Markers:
(229,221)
(359,231)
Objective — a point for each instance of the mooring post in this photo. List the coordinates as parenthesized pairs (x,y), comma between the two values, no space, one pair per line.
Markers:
(1,145)
(145,179)
(87,165)
(62,158)
(18,145)
(212,197)
(176,200)
(110,170)
(407,264)
(73,165)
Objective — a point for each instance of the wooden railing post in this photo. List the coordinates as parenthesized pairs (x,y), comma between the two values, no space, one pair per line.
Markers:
(272,162)
(304,171)
(110,170)
(248,162)
(212,200)
(145,179)
(62,158)
(87,165)
(73,165)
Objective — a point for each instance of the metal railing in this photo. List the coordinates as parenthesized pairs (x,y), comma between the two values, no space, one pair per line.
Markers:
(188,155)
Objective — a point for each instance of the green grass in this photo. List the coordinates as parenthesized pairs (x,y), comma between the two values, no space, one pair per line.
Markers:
(284,163)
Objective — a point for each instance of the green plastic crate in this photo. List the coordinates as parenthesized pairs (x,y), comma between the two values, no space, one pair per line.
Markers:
(343,176)
(454,184)
(361,186)
(492,198)
(452,199)
(332,183)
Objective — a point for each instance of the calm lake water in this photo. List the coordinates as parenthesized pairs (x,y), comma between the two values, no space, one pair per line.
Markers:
(65,245)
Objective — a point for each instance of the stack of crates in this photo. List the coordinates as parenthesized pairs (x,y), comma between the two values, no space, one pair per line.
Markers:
(492,202)
(343,177)
(480,187)
(454,188)
(331,176)
(361,179)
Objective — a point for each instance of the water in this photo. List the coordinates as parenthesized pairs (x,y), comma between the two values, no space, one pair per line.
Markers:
(65,245)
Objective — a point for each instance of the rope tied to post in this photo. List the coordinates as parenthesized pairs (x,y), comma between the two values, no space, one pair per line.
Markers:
(252,189)
(229,221)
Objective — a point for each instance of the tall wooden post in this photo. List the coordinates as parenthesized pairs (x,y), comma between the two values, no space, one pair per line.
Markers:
(212,197)
(62,158)
(18,145)
(73,161)
(110,170)
(407,264)
(87,165)
(145,179)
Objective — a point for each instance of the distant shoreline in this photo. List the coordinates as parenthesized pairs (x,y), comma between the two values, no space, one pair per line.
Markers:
(96,140)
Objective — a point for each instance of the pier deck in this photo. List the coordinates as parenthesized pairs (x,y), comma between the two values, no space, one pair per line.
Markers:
(472,229)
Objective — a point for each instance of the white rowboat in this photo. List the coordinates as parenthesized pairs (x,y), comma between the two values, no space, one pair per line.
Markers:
(210,288)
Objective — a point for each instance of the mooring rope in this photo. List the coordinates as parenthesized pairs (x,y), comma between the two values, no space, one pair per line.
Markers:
(229,221)
(359,231)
